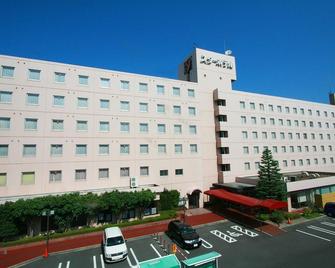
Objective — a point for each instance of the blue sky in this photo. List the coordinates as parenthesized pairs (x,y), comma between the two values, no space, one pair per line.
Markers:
(283,48)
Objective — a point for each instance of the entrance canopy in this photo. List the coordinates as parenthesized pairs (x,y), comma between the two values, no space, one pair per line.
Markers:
(244,200)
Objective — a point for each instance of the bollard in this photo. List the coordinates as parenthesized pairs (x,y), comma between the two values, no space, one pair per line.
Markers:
(174,248)
(289,221)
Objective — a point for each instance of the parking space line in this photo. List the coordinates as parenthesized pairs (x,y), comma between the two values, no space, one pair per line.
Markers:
(68,264)
(208,245)
(187,251)
(244,231)
(94,262)
(135,258)
(328,223)
(102,261)
(323,230)
(159,255)
(129,263)
(60,265)
(223,236)
(313,235)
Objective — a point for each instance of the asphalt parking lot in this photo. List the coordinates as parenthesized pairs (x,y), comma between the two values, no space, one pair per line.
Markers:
(303,245)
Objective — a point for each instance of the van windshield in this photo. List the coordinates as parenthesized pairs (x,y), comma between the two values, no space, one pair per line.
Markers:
(113,241)
(187,230)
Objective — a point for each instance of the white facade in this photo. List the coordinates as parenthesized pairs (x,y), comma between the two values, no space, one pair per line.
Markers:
(70,128)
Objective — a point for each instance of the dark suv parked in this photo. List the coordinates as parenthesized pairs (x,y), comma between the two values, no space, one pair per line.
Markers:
(330,209)
(184,235)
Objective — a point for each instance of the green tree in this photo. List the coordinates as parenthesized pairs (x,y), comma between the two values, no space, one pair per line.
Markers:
(270,184)
(169,199)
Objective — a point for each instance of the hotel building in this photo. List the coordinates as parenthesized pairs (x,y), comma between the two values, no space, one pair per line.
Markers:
(66,128)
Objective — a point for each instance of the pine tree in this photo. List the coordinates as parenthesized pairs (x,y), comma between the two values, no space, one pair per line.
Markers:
(270,184)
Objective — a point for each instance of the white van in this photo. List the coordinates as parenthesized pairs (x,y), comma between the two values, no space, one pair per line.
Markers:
(114,245)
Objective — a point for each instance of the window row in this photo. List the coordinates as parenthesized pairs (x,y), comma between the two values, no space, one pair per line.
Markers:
(282,135)
(60,77)
(272,121)
(286,109)
(28,178)
(30,150)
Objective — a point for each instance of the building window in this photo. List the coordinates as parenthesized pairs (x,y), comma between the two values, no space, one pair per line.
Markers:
(103,173)
(290,136)
(244,134)
(288,122)
(291,149)
(104,104)
(261,106)
(295,111)
(82,102)
(177,129)
(3,150)
(58,100)
(83,79)
(59,77)
(284,163)
(242,104)
(160,90)
(161,128)
(256,150)
(314,148)
(331,161)
(322,148)
(263,121)
(318,113)
(272,121)
(306,149)
(29,150)
(5,97)
(255,135)
(308,162)
(81,125)
(281,122)
(273,135)
(81,149)
(324,160)
(104,126)
(34,74)
(144,148)
(193,129)
(299,149)
(275,149)
(193,148)
(245,149)
(7,71)
(264,135)
(104,149)
(4,123)
(222,118)
(3,179)
(225,167)
(55,175)
(302,111)
(330,148)
(312,136)
(224,150)
(191,93)
(178,148)
(124,85)
(246,166)
(287,110)
(28,178)
(243,120)
(124,172)
(56,150)
(124,148)
(252,106)
(253,120)
(296,123)
(144,128)
(257,164)
(279,109)
(161,148)
(176,91)
(164,172)
(143,107)
(80,174)
(316,161)
(191,111)
(32,99)
(57,125)
(221,102)
(179,171)
(270,107)
(282,135)
(223,134)
(104,82)
(30,124)
(124,127)
(144,171)
(160,108)
(143,87)
(283,149)
(124,106)
(293,163)
(176,109)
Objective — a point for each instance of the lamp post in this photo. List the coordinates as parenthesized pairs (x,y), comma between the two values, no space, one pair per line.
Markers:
(184,200)
(47,213)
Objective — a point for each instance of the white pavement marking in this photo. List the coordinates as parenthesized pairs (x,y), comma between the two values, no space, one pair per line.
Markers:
(94,262)
(187,251)
(328,223)
(323,230)
(60,265)
(244,231)
(159,255)
(68,264)
(135,258)
(208,245)
(313,235)
(102,261)
(129,263)
(223,236)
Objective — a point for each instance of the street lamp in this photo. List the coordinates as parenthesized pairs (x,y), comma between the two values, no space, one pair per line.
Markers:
(47,213)
(183,201)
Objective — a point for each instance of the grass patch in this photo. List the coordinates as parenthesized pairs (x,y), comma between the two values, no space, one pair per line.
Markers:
(164,215)
(312,215)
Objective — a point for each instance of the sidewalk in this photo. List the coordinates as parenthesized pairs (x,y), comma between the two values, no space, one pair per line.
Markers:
(21,253)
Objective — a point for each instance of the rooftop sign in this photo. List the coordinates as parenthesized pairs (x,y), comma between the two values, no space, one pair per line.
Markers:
(216,62)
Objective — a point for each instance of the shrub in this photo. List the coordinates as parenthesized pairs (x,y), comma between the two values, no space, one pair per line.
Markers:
(263,217)
(292,216)
(169,199)
(277,216)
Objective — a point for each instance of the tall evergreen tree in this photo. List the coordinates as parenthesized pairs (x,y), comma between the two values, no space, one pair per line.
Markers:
(270,184)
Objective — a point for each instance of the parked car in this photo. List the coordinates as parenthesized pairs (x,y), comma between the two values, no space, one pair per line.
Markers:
(184,234)
(329,209)
(114,245)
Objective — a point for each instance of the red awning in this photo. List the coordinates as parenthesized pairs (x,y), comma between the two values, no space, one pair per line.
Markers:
(248,201)
(232,197)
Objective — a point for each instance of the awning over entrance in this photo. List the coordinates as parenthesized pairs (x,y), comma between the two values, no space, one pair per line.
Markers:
(248,201)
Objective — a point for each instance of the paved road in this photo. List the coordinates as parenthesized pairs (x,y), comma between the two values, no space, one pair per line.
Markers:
(305,245)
